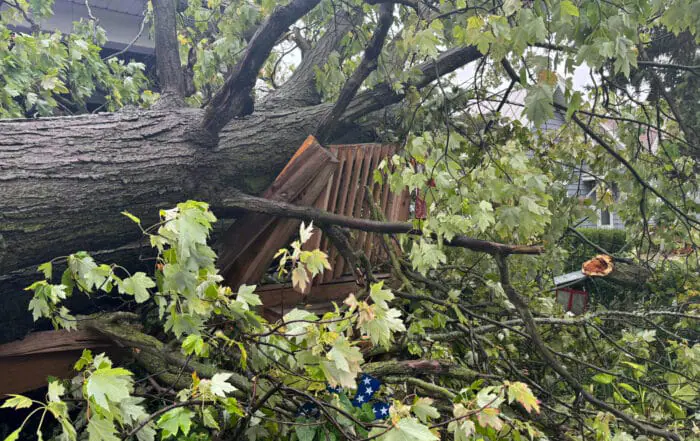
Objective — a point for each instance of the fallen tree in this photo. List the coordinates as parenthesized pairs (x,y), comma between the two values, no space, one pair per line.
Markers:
(464,338)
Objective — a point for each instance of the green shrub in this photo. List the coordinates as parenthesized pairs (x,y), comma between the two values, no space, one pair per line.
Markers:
(610,240)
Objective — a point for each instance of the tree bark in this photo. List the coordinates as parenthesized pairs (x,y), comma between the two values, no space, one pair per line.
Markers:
(64,181)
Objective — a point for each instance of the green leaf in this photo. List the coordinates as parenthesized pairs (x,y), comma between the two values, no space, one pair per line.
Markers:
(137,286)
(101,429)
(132,217)
(246,295)
(194,343)
(424,410)
(316,261)
(628,388)
(521,393)
(574,105)
(132,409)
(603,378)
(14,436)
(305,433)
(219,386)
(176,420)
(343,365)
(17,402)
(489,417)
(85,360)
(300,278)
(410,429)
(568,8)
(56,390)
(381,296)
(209,419)
(47,269)
(305,232)
(538,104)
(113,384)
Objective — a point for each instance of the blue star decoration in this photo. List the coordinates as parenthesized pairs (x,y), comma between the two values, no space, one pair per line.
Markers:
(381,410)
(367,386)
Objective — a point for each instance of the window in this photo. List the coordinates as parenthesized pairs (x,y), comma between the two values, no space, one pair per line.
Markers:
(588,188)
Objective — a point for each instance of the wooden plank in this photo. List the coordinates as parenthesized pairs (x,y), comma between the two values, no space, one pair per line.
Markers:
(349,205)
(364,212)
(378,245)
(53,341)
(369,239)
(310,163)
(332,207)
(255,261)
(296,176)
(26,364)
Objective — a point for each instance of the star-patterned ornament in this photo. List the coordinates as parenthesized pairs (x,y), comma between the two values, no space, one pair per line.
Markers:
(381,410)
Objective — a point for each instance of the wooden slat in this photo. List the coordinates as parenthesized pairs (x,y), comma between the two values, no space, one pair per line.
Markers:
(364,208)
(333,207)
(255,261)
(293,179)
(26,364)
(354,183)
(388,150)
(53,341)
(368,245)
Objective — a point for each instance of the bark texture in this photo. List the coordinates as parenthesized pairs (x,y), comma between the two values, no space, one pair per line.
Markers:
(64,181)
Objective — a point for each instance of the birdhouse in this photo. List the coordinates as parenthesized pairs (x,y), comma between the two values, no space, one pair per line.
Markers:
(573,300)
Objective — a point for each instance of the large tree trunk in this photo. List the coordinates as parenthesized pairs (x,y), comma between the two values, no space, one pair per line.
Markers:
(64,181)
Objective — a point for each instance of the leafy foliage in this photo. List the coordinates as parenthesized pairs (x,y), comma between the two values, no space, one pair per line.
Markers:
(455,348)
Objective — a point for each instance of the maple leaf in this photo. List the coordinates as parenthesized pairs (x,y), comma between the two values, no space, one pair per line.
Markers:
(489,418)
(424,410)
(521,393)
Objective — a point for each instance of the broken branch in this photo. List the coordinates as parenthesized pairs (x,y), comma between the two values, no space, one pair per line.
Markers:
(241,201)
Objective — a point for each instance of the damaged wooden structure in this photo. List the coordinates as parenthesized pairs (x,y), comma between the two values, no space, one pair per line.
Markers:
(338,179)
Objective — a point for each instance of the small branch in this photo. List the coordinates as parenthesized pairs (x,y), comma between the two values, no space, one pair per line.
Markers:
(234,98)
(368,65)
(420,367)
(612,151)
(692,69)
(597,247)
(160,412)
(241,201)
(302,43)
(170,75)
(133,40)
(300,89)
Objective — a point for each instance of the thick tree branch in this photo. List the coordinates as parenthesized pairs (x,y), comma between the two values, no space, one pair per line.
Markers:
(529,322)
(302,43)
(300,89)
(234,98)
(369,63)
(170,74)
(239,201)
(384,95)
(411,368)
